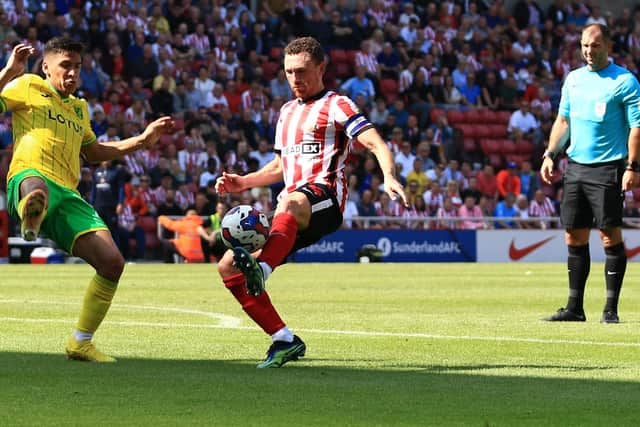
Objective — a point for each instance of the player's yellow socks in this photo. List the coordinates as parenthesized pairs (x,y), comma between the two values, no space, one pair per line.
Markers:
(97,301)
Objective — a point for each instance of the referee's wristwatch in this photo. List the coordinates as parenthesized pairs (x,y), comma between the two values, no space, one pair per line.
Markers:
(550,154)
(633,166)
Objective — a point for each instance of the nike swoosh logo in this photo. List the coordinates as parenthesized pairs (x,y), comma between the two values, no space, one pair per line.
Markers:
(632,252)
(46,95)
(518,253)
(611,273)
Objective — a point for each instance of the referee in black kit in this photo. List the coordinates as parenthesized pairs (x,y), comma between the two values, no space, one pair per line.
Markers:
(599,110)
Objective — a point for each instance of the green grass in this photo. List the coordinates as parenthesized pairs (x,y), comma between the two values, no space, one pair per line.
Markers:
(394,344)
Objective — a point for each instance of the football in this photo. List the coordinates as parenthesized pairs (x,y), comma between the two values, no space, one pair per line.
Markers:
(244,226)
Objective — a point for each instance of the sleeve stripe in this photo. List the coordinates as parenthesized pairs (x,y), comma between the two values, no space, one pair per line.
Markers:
(3,105)
(356,124)
(90,141)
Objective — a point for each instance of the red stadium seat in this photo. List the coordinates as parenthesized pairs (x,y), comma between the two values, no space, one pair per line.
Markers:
(497,131)
(471,116)
(351,56)
(436,113)
(276,53)
(487,116)
(150,227)
(469,145)
(455,117)
(338,56)
(503,117)
(165,140)
(508,147)
(389,88)
(524,147)
(468,131)
(491,146)
(481,131)
(495,160)
(270,69)
(343,70)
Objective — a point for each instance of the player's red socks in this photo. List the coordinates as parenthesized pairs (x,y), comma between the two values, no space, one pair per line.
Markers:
(259,308)
(284,229)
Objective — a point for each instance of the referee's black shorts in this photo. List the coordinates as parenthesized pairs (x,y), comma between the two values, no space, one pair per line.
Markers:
(593,195)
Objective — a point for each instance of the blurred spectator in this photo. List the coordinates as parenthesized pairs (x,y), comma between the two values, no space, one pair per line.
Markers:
(506,209)
(128,228)
(522,123)
(359,85)
(186,243)
(405,157)
(508,180)
(433,198)
(471,210)
(542,206)
(366,207)
(279,87)
(522,212)
(444,213)
(487,183)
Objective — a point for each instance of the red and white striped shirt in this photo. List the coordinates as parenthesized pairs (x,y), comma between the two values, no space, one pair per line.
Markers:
(313,139)
(199,42)
(367,60)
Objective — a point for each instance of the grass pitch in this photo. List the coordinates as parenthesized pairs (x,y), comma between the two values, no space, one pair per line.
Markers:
(388,344)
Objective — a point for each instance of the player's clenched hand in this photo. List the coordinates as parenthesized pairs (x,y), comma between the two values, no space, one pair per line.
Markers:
(157,128)
(393,188)
(546,170)
(17,62)
(229,183)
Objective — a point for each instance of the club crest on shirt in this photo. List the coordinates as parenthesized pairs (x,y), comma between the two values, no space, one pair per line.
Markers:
(310,127)
(600,108)
(78,111)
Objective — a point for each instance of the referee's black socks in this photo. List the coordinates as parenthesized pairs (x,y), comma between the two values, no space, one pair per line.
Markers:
(578,264)
(614,269)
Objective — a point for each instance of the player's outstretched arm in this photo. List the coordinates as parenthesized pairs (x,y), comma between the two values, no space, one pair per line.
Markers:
(16,64)
(371,139)
(98,152)
(233,183)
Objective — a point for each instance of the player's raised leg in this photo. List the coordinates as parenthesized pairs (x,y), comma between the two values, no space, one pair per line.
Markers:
(292,214)
(99,250)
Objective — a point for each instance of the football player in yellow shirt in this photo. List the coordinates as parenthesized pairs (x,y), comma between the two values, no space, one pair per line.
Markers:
(51,130)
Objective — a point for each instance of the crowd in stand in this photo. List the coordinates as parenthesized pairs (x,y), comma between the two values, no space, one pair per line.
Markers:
(216,67)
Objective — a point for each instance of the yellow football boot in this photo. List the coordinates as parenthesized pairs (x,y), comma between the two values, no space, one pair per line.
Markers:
(86,351)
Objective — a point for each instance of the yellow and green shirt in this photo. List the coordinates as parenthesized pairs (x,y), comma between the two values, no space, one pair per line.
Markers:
(48,130)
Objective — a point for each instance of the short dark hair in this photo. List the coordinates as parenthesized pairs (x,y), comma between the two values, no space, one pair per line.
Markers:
(306,45)
(63,44)
(606,33)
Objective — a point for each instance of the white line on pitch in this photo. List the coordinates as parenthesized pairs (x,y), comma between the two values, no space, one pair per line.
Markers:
(340,332)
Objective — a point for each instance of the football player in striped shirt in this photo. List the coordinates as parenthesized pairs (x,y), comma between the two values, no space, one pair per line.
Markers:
(314,135)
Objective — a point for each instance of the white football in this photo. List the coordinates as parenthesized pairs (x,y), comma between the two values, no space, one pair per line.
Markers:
(244,226)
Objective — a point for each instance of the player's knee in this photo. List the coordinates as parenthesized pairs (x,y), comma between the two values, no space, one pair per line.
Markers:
(225,265)
(111,266)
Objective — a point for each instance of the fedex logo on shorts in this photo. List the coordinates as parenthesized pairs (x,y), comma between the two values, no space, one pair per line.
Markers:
(306,148)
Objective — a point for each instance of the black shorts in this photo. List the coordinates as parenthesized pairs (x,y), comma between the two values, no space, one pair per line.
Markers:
(326,216)
(592,195)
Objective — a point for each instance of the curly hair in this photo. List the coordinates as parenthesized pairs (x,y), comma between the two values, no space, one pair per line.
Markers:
(306,45)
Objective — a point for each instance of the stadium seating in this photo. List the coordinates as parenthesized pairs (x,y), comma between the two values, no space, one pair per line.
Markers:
(270,69)
(455,117)
(276,53)
(150,227)
(338,56)
(389,89)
